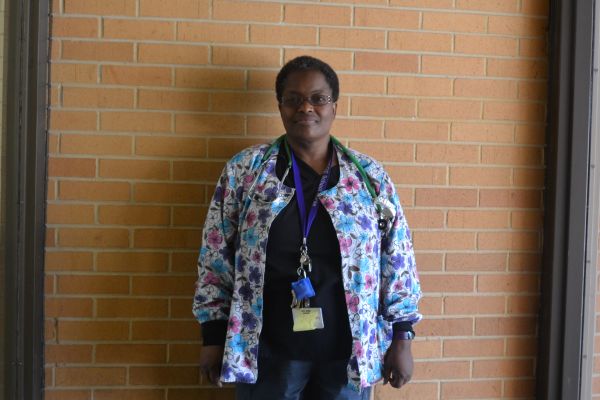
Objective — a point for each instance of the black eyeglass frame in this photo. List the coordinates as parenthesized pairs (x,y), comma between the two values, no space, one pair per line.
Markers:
(299,100)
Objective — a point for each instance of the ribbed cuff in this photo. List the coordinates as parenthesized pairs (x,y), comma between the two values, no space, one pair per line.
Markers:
(404,326)
(214,332)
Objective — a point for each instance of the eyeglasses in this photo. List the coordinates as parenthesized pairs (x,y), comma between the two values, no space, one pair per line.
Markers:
(297,101)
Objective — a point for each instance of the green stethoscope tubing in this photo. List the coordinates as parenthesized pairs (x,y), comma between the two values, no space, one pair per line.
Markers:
(336,142)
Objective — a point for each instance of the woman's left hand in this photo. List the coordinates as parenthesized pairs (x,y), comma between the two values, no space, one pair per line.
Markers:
(398,363)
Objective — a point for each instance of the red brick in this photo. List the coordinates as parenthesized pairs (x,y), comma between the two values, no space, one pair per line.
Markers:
(446,153)
(93,237)
(442,369)
(480,176)
(246,57)
(93,284)
(90,376)
(135,121)
(163,238)
(524,262)
(73,120)
(92,144)
(383,107)
(132,308)
(473,347)
(71,167)
(476,262)
(471,389)
(386,62)
(470,305)
(93,330)
(100,7)
(533,91)
(517,68)
(510,198)
(525,305)
(503,6)
(512,325)
(448,109)
(97,98)
(533,220)
(502,368)
(454,22)
(69,214)
(184,353)
(508,283)
(511,155)
(129,394)
(517,25)
(67,307)
(138,29)
(289,35)
(422,131)
(338,60)
(197,170)
(419,86)
(385,18)
(97,51)
(95,191)
(423,3)
(433,240)
(169,193)
(68,261)
(404,175)
(209,78)
(420,41)
(131,353)
(164,375)
(485,88)
(52,394)
(519,347)
(531,134)
(352,38)
(72,354)
(73,73)
(317,14)
(523,388)
(226,148)
(208,124)
(181,261)
(446,197)
(175,8)
(166,330)
(483,132)
(136,76)
(452,66)
(373,84)
(244,11)
(74,27)
(447,284)
(473,219)
(425,218)
(514,111)
(170,147)
(243,102)
(173,100)
(207,32)
(134,169)
(154,53)
(355,127)
(133,215)
(189,216)
(132,262)
(485,45)
(508,240)
(533,47)
(164,285)
(445,327)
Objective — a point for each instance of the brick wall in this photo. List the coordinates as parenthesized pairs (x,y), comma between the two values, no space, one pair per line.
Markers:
(148,100)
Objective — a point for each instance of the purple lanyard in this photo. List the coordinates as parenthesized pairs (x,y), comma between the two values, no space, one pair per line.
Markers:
(306,224)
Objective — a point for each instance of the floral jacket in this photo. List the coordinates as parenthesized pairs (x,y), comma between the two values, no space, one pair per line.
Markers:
(378,269)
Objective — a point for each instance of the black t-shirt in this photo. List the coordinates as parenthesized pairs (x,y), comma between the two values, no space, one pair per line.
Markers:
(334,341)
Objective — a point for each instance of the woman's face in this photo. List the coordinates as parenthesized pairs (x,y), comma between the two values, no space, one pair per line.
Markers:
(307,122)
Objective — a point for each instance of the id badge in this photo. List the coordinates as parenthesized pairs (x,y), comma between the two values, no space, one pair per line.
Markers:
(307,319)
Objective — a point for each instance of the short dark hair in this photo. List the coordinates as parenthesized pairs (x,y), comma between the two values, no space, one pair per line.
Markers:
(307,63)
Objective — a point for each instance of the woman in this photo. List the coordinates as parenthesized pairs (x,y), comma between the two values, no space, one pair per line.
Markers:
(307,280)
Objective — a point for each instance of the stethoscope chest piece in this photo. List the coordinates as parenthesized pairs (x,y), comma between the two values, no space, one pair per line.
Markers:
(386,212)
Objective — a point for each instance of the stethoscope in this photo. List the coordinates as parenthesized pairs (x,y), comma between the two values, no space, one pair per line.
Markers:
(385,209)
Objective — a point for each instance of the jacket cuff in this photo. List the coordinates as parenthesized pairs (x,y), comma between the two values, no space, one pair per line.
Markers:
(214,332)
(404,326)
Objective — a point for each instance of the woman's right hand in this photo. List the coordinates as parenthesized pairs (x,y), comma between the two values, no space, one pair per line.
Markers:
(211,359)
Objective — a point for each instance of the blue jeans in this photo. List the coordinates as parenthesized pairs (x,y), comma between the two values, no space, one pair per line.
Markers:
(281,379)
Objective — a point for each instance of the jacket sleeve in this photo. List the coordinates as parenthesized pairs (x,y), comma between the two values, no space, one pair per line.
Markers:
(400,287)
(214,287)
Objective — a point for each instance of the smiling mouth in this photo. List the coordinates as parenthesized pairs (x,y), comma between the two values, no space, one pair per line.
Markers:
(306,121)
